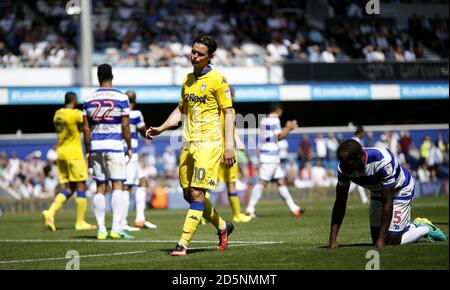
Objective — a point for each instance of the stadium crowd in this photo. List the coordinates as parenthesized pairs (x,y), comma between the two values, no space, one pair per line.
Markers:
(314,165)
(131,33)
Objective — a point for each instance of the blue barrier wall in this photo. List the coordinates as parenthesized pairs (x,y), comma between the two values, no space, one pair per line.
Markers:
(317,91)
(25,146)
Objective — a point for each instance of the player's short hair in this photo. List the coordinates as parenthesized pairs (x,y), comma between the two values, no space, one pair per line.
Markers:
(131,96)
(208,41)
(104,73)
(350,149)
(70,97)
(275,106)
(359,130)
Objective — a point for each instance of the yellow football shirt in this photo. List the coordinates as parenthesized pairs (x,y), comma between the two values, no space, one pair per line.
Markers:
(202,100)
(67,124)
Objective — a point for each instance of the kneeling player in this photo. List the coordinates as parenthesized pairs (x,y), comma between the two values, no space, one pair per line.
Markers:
(392,193)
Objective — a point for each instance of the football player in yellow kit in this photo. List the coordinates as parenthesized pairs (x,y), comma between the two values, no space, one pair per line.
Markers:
(72,169)
(204,96)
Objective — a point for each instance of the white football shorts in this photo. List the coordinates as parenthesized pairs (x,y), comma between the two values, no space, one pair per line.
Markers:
(401,215)
(270,171)
(133,171)
(108,166)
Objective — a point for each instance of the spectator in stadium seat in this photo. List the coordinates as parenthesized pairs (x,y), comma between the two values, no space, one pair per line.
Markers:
(369,141)
(423,174)
(410,54)
(405,143)
(425,148)
(170,161)
(305,151)
(332,146)
(327,55)
(321,147)
(319,174)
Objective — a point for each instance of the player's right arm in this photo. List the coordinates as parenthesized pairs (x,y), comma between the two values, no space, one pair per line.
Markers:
(290,125)
(127,134)
(141,127)
(173,120)
(339,208)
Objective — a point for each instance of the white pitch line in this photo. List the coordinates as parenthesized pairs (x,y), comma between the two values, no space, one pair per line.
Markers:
(59,259)
(138,241)
(231,244)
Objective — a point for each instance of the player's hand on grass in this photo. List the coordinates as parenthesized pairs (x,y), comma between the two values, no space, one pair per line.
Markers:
(229,158)
(333,245)
(292,124)
(380,244)
(153,131)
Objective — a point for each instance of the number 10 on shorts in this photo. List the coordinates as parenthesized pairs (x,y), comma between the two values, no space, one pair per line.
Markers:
(199,174)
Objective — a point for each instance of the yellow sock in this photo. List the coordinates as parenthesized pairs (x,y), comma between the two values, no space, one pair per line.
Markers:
(235,203)
(191,222)
(211,215)
(58,202)
(81,203)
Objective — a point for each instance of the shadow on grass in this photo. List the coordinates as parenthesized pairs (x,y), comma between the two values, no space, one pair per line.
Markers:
(190,252)
(351,245)
(59,229)
(441,223)
(91,237)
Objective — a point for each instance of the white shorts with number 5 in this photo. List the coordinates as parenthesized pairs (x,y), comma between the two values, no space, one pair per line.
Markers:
(401,215)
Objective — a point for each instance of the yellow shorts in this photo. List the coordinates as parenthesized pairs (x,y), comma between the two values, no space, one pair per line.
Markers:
(73,170)
(199,164)
(228,175)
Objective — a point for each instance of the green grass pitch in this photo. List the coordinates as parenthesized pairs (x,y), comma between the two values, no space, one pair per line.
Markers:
(275,240)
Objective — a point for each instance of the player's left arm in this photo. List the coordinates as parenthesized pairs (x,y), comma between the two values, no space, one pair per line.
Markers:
(87,139)
(229,154)
(127,133)
(224,100)
(125,124)
(386,216)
